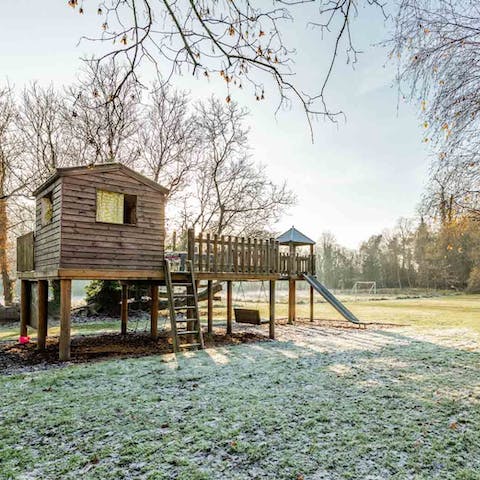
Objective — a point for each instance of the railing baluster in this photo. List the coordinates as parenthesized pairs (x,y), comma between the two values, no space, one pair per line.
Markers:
(215,253)
(222,254)
(229,254)
(200,252)
(209,250)
(235,255)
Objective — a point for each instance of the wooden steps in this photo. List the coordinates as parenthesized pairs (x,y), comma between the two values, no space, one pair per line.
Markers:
(187,327)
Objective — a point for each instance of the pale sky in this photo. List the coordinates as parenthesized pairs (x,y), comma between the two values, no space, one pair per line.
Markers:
(357,178)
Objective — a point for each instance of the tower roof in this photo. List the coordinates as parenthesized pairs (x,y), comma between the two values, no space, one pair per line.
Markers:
(293,236)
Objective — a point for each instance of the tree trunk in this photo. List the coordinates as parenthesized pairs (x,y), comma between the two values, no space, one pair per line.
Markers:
(6,280)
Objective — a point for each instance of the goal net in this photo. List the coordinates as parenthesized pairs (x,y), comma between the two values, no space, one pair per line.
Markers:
(364,287)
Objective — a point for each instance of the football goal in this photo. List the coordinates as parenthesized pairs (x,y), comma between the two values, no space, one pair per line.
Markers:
(365,287)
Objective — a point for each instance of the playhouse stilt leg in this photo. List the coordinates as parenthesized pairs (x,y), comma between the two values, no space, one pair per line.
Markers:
(42,313)
(25,305)
(229,307)
(272,310)
(124,310)
(210,306)
(154,311)
(65,307)
(311,304)
(291,301)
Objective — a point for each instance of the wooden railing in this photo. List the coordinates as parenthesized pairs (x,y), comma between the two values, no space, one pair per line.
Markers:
(220,253)
(243,255)
(25,253)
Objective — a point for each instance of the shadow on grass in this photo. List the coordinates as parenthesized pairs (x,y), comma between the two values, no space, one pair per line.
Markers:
(324,404)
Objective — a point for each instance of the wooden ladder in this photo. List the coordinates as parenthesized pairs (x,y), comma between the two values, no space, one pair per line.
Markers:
(188,326)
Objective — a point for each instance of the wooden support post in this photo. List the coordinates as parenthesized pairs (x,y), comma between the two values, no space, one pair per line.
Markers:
(154,311)
(42,313)
(210,306)
(311,303)
(25,307)
(229,307)
(65,307)
(291,301)
(272,310)
(124,309)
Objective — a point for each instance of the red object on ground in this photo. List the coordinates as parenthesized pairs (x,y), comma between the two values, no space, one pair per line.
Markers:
(23,340)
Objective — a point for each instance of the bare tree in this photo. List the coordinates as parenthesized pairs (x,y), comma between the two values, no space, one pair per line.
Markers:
(241,41)
(102,125)
(231,193)
(437,44)
(13,179)
(44,134)
(168,138)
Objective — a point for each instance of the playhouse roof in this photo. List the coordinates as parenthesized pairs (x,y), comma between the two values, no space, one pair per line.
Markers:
(293,236)
(99,168)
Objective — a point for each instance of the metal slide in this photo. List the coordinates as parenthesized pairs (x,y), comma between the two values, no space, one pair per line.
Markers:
(331,299)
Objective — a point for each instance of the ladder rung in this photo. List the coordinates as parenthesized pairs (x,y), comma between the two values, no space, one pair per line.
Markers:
(182,284)
(185,320)
(187,332)
(185,307)
(182,295)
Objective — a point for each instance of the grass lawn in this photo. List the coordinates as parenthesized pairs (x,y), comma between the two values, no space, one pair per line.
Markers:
(319,403)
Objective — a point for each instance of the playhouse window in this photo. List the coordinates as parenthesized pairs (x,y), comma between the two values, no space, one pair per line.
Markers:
(47,208)
(114,207)
(130,209)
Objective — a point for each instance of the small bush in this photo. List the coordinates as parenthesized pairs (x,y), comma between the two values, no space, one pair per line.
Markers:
(105,296)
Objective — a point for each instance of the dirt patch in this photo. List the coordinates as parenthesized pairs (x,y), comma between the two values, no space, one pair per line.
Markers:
(16,358)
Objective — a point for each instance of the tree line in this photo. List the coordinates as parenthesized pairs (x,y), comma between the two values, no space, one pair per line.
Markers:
(414,254)
(199,150)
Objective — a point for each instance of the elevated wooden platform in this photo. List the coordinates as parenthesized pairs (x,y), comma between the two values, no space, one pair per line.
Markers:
(213,258)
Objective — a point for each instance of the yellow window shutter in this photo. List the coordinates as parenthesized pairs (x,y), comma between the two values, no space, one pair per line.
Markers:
(109,206)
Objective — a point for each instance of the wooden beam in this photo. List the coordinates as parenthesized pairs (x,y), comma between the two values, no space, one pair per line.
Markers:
(210,307)
(154,311)
(124,309)
(229,307)
(65,308)
(272,310)
(311,303)
(291,301)
(25,307)
(42,313)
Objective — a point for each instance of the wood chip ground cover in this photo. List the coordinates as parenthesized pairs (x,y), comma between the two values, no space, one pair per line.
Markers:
(320,403)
